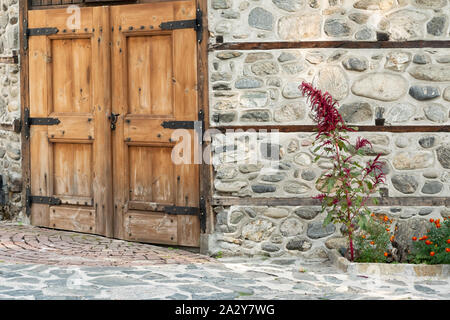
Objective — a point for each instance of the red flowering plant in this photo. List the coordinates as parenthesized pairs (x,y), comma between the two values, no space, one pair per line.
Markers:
(347,187)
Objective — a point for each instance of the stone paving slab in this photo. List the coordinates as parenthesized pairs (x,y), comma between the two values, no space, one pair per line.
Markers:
(57,268)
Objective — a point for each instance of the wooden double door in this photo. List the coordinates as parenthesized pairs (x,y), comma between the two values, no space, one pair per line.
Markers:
(100,159)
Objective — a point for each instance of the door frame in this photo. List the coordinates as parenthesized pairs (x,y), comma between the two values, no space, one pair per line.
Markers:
(205,170)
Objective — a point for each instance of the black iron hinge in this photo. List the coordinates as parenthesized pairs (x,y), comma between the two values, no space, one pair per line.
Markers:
(30,199)
(194,211)
(28,121)
(198,126)
(29,32)
(195,24)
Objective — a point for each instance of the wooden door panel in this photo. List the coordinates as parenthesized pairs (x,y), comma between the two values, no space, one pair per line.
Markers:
(154,81)
(69,80)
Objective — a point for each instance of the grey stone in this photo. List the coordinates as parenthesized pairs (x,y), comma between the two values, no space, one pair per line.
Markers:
(262,188)
(421,58)
(412,160)
(429,4)
(364,34)
(333,80)
(248,83)
(380,86)
(236,217)
(336,27)
(373,5)
(406,24)
(296,187)
(256,116)
(443,156)
(254,99)
(317,230)
(423,93)
(112,281)
(263,68)
(291,227)
(431,174)
(230,14)
(431,72)
(358,17)
(261,19)
(221,4)
(287,56)
(314,57)
(221,76)
(270,247)
(425,211)
(437,25)
(276,213)
(306,213)
(355,63)
(221,86)
(405,183)
(308,175)
(432,187)
(424,289)
(406,229)
(446,94)
(272,177)
(231,186)
(293,67)
(256,56)
(13,152)
(443,58)
(226,55)
(224,117)
(291,90)
(357,112)
(289,112)
(298,27)
(299,244)
(397,61)
(436,113)
(427,141)
(249,168)
(257,230)
(400,112)
(289,5)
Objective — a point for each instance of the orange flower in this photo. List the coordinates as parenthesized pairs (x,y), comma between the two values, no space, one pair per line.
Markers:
(431,220)
(438,225)
(414,238)
(428,242)
(385,218)
(385,254)
(387,229)
(432,253)
(372,243)
(437,221)
(363,236)
(392,238)
(447,249)
(425,237)
(448,240)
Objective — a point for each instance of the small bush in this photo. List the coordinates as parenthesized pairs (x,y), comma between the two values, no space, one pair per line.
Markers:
(373,242)
(433,247)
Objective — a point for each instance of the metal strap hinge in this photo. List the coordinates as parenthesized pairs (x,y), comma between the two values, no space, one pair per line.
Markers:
(28,121)
(30,199)
(195,24)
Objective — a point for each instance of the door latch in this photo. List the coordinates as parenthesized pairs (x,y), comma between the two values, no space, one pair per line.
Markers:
(113,119)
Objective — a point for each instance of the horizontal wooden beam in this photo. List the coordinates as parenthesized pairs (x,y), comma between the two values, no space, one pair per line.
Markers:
(330,44)
(311,128)
(296,201)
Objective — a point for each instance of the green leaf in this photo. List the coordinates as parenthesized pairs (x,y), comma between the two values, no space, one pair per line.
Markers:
(328,219)
(375,200)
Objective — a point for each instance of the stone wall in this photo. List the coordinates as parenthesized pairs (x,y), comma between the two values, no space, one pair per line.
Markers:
(300,20)
(10,145)
(260,87)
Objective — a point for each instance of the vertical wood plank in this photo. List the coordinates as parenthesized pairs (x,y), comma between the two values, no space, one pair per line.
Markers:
(101,71)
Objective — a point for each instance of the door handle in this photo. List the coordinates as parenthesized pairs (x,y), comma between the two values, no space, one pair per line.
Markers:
(113,119)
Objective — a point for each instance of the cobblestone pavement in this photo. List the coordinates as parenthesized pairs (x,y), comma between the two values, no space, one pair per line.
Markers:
(47,264)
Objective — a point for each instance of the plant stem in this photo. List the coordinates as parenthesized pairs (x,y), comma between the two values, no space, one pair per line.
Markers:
(350,236)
